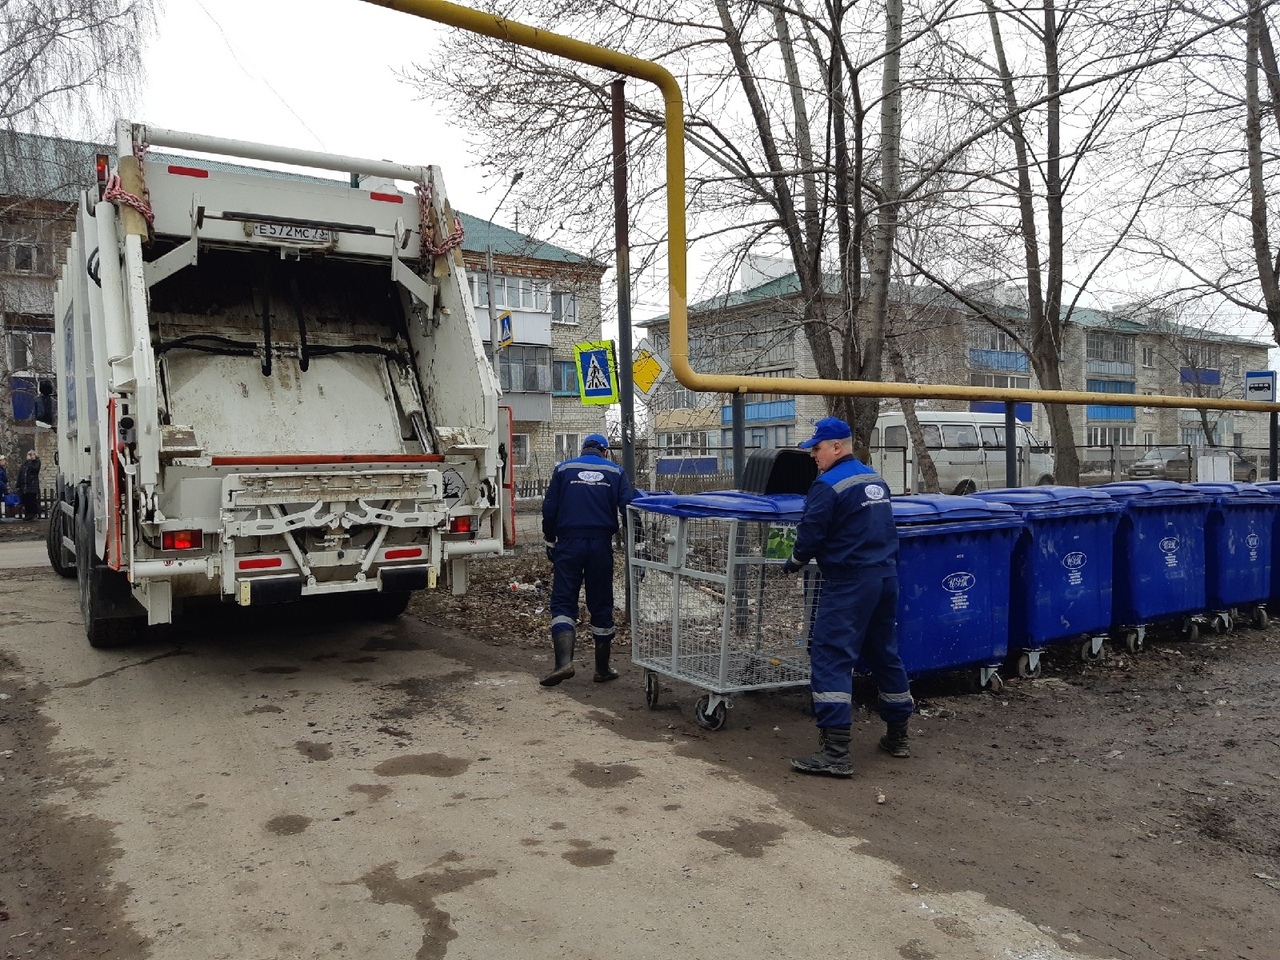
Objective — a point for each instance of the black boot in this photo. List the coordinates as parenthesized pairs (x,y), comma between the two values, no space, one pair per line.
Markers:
(895,739)
(562,641)
(832,757)
(604,672)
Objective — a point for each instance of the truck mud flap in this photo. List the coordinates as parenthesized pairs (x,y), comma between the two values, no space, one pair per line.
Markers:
(113,594)
(408,578)
(268,590)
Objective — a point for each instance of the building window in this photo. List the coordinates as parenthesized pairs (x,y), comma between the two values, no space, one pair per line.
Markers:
(1148,439)
(28,351)
(1110,436)
(520,449)
(1148,356)
(564,307)
(567,445)
(1109,347)
(1194,436)
(999,380)
(564,378)
(526,369)
(1235,366)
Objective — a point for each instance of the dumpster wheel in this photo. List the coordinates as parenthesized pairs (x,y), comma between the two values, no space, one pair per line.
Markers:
(1260,617)
(1092,650)
(1029,667)
(712,719)
(651,688)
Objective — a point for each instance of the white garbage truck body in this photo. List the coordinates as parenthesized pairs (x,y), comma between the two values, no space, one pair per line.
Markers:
(271,387)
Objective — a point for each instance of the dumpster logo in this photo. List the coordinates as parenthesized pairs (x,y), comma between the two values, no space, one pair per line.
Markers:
(1252,541)
(1169,546)
(959,585)
(1074,562)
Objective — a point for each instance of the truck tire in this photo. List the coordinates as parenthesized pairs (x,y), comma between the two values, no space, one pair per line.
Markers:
(104,632)
(61,524)
(387,605)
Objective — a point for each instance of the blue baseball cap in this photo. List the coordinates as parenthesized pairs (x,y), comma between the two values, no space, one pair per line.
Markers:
(595,440)
(828,428)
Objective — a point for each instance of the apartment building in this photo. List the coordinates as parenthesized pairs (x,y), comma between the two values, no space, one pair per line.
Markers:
(937,339)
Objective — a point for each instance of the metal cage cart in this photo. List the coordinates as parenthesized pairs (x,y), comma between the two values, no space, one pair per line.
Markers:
(708,604)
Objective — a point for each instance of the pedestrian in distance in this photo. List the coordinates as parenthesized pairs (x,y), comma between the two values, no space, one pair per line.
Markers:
(4,488)
(848,528)
(29,486)
(580,513)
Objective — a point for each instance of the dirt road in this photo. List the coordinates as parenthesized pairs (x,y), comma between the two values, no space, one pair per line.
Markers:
(288,787)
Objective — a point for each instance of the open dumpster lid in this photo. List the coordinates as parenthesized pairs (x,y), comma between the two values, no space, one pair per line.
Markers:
(1153,490)
(1051,496)
(943,508)
(730,504)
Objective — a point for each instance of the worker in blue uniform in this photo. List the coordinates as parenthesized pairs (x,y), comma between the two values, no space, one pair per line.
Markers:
(848,528)
(580,514)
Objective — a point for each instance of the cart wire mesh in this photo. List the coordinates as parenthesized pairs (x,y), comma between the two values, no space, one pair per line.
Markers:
(710,605)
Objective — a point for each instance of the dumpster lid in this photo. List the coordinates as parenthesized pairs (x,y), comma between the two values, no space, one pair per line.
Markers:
(1231,490)
(942,507)
(1161,490)
(1050,496)
(730,504)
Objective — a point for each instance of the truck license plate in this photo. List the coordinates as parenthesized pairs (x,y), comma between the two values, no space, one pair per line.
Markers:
(292,232)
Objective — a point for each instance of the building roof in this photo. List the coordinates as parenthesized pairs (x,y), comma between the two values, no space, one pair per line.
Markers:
(1085,317)
(55,168)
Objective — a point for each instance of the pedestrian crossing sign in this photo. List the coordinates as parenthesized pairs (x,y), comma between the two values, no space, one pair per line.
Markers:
(597,372)
(505,338)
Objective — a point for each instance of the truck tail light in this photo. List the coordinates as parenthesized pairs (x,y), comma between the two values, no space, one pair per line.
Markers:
(102,164)
(181,540)
(260,563)
(460,525)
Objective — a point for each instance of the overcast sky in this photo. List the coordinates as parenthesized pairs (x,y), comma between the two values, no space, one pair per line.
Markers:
(312,74)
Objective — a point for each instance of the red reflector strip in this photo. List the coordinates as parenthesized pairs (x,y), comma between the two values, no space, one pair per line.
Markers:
(181,540)
(387,197)
(403,553)
(260,563)
(190,172)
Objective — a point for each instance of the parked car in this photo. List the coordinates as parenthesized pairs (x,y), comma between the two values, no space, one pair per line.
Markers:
(1174,463)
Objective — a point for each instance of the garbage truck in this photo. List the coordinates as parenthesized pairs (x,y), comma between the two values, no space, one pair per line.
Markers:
(271,385)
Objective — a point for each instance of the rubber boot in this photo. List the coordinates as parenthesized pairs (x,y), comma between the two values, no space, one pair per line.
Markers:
(832,757)
(604,672)
(895,739)
(562,641)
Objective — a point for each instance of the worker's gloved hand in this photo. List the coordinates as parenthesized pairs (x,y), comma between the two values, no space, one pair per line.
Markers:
(790,566)
(551,550)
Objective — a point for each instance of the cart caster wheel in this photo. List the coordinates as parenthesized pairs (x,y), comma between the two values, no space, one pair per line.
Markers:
(651,688)
(1025,670)
(995,684)
(1132,642)
(1089,655)
(1260,620)
(709,721)
(1191,632)
(1221,623)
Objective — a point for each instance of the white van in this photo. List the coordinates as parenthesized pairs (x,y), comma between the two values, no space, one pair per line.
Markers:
(967,450)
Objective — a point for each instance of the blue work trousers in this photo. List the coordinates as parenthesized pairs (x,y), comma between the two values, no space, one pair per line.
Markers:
(578,562)
(857,624)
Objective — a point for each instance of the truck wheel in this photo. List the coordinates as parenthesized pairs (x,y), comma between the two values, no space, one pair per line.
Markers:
(387,605)
(1045,481)
(965,487)
(61,525)
(103,632)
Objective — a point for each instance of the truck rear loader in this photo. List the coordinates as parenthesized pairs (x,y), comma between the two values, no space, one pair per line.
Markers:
(272,387)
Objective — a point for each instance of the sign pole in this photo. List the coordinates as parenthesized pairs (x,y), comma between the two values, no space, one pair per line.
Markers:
(623,241)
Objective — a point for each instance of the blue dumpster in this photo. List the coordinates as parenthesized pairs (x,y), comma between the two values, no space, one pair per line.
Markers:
(1159,560)
(954,568)
(1238,556)
(1062,568)
(1272,488)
